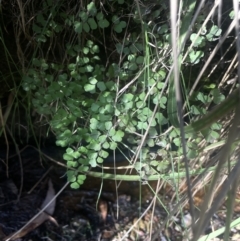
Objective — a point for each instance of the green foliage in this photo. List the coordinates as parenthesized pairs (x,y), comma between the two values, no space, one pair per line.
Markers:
(85,100)
(118,25)
(232,14)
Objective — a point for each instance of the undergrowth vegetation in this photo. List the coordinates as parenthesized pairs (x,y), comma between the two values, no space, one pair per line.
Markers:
(103,77)
(113,87)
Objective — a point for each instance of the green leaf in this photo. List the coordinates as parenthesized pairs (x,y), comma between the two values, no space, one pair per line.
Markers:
(115,19)
(95,107)
(84,60)
(67,157)
(103,154)
(94,123)
(142,125)
(72,164)
(133,66)
(163,29)
(197,42)
(92,10)
(146,111)
(92,23)
(131,57)
(154,163)
(117,112)
(192,154)
(36,28)
(100,16)
(86,27)
(215,135)
(195,110)
(113,145)
(83,149)
(83,168)
(177,141)
(89,43)
(76,154)
(218,97)
(161,74)
(93,80)
(81,177)
(142,117)
(89,88)
(231,14)
(216,126)
(163,166)
(210,86)
(41,38)
(103,23)
(141,104)
(78,27)
(85,50)
(109,108)
(95,49)
(100,160)
(195,56)
(174,133)
(151,143)
(127,97)
(62,143)
(93,162)
(74,185)
(71,175)
(36,62)
(106,145)
(83,161)
(202,97)
(103,117)
(153,122)
(152,132)
(140,60)
(118,136)
(108,125)
(161,119)
(88,68)
(101,85)
(214,33)
(76,47)
(112,132)
(102,138)
(162,101)
(119,26)
(83,15)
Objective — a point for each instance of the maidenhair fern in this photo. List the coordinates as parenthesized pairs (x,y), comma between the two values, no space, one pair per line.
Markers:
(94,103)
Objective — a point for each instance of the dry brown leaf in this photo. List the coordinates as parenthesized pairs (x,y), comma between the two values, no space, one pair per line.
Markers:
(50,195)
(103,209)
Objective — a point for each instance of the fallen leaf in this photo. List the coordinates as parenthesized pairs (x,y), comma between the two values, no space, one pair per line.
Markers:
(103,209)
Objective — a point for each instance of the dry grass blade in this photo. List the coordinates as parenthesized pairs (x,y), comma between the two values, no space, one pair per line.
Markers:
(177,65)
(208,208)
(206,211)
(230,206)
(204,219)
